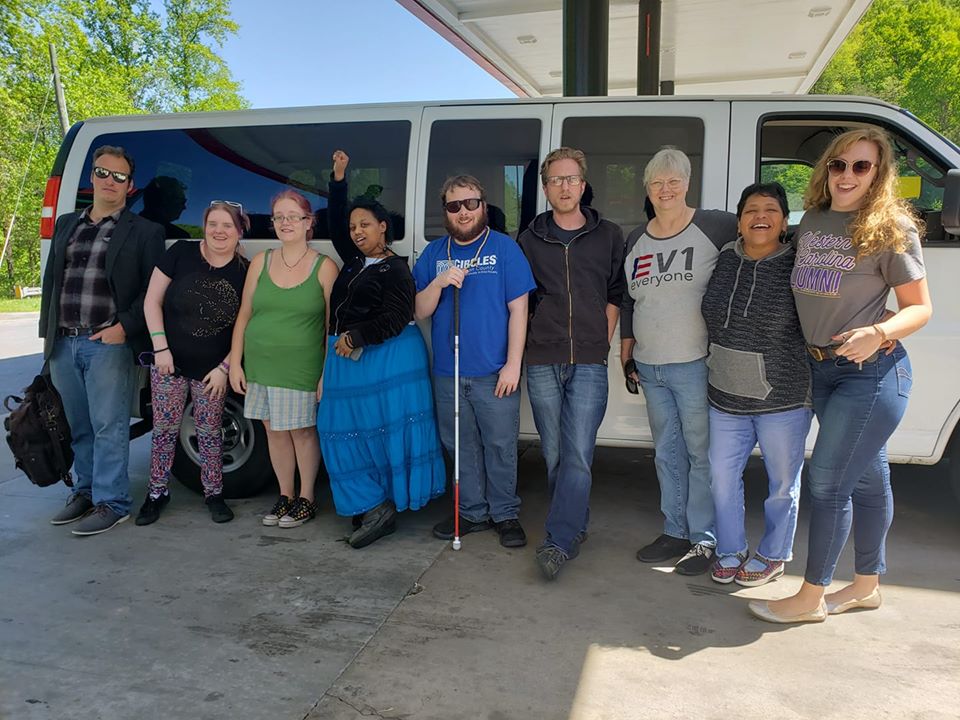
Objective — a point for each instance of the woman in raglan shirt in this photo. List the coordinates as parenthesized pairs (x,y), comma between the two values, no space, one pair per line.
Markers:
(857,240)
(663,347)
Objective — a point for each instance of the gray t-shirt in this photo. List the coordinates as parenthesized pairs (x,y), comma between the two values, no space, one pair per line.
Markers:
(666,279)
(835,290)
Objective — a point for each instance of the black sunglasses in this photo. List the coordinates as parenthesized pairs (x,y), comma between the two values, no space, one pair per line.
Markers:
(629,368)
(145,359)
(836,166)
(454,205)
(103,174)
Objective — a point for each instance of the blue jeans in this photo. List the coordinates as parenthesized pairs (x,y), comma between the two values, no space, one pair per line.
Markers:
(95,381)
(732,438)
(676,395)
(568,403)
(858,409)
(488,445)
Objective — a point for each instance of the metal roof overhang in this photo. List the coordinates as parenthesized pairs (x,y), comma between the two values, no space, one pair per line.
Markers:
(708,47)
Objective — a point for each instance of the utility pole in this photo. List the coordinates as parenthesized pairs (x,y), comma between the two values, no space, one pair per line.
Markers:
(61,102)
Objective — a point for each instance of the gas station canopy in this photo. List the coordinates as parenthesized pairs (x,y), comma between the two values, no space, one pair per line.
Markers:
(707,47)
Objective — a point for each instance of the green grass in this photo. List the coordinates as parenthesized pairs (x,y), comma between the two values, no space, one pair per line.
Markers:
(30,304)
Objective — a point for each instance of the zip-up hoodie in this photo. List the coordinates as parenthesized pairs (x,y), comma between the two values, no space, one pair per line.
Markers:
(757,362)
(575,283)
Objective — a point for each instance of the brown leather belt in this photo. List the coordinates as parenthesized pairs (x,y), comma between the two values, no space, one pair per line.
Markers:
(830,353)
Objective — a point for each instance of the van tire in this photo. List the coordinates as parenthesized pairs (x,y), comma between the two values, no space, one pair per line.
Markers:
(246,460)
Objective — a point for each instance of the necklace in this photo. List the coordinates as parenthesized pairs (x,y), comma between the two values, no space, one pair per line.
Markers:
(486,234)
(289,266)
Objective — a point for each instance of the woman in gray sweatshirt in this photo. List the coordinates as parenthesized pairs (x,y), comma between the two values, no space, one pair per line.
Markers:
(759,386)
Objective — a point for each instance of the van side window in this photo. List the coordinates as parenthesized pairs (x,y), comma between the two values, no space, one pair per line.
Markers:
(619,148)
(503,154)
(179,172)
(790,146)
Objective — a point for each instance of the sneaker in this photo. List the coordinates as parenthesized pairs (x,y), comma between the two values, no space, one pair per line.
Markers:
(150,510)
(511,533)
(99,520)
(665,547)
(444,530)
(696,561)
(280,508)
(300,512)
(377,523)
(550,559)
(725,574)
(219,512)
(772,569)
(77,506)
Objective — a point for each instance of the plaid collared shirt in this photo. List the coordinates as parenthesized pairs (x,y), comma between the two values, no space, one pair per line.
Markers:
(86,300)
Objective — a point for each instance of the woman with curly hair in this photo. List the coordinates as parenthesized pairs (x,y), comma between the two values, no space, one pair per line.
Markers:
(857,240)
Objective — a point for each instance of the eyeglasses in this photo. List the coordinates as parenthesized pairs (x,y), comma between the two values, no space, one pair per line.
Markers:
(558,180)
(103,174)
(837,166)
(629,368)
(671,184)
(231,203)
(470,204)
(281,219)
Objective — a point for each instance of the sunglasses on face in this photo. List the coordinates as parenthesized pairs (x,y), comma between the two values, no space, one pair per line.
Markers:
(231,203)
(859,167)
(470,204)
(103,174)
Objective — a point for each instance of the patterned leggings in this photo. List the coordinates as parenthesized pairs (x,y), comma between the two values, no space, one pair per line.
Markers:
(169,398)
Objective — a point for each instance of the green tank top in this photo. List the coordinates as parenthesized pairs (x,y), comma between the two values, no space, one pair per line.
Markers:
(285,341)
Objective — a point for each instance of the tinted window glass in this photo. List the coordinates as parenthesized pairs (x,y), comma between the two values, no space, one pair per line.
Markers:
(501,154)
(619,148)
(178,172)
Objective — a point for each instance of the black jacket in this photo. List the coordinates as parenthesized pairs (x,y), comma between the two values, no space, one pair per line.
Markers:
(373,303)
(136,244)
(575,283)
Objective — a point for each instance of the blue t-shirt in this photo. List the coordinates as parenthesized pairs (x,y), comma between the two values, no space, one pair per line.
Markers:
(499,275)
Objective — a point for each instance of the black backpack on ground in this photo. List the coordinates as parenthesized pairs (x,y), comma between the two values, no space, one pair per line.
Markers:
(38,434)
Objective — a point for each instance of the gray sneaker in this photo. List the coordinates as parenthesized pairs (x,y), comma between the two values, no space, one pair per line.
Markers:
(550,559)
(77,506)
(99,520)
(377,522)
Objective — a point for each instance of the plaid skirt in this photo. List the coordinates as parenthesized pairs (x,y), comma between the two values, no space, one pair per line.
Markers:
(284,408)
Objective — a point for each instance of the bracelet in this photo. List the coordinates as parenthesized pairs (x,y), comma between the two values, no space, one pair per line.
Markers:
(348,340)
(223,370)
(157,352)
(883,335)
(225,365)
(159,332)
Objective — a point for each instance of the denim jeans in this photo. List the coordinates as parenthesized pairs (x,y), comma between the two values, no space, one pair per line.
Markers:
(676,395)
(782,438)
(568,403)
(95,381)
(858,409)
(488,445)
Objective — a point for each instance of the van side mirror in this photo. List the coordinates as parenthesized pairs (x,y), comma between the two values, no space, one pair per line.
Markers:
(950,216)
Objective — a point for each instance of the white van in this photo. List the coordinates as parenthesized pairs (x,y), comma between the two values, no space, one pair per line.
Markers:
(403,152)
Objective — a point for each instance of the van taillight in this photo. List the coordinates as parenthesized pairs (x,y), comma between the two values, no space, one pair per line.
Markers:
(48,215)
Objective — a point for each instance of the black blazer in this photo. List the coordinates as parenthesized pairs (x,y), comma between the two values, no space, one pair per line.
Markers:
(136,245)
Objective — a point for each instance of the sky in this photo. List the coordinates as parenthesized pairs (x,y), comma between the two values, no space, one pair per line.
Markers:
(331,52)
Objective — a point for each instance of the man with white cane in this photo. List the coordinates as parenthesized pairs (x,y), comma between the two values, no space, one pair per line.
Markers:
(493,279)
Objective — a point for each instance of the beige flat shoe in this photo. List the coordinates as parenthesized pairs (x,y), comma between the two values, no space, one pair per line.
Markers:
(870,602)
(761,609)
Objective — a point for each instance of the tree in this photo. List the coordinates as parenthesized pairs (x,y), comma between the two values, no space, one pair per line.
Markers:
(116,57)
(906,52)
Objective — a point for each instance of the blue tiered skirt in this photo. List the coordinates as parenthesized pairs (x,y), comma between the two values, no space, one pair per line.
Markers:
(378,428)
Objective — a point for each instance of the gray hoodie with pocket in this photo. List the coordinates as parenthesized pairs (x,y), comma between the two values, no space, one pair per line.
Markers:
(757,358)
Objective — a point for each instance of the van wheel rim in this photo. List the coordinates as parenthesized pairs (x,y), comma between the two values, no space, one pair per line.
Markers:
(237,431)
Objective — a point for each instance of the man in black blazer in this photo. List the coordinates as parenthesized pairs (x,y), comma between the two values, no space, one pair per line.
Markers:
(91,320)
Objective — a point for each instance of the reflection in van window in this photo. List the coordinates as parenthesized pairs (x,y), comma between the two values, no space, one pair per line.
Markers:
(618,149)
(502,154)
(179,172)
